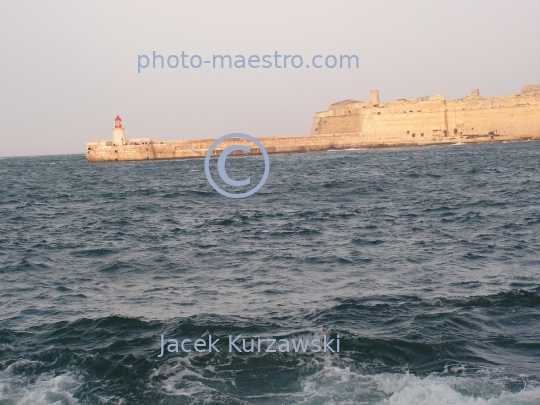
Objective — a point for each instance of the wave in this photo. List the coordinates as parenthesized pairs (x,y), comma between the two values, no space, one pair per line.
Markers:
(329,383)
(321,381)
(37,389)
(411,390)
(407,389)
(398,350)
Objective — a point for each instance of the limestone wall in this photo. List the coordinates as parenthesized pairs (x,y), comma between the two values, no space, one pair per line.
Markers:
(431,117)
(107,151)
(515,116)
(286,144)
(340,124)
(404,120)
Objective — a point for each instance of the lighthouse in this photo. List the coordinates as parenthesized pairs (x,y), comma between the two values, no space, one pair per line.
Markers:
(118,132)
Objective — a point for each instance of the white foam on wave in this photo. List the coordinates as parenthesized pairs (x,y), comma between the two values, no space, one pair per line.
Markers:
(45,389)
(409,389)
(335,385)
(184,379)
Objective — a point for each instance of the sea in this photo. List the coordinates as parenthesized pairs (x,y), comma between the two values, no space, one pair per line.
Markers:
(425,261)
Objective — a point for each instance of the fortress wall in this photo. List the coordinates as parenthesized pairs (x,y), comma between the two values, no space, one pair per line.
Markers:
(514,115)
(315,123)
(399,123)
(517,122)
(517,117)
(340,124)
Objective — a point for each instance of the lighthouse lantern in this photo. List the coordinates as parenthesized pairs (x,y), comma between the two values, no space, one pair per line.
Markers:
(118,122)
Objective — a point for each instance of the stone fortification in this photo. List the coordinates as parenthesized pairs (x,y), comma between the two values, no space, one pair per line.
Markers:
(357,124)
(433,119)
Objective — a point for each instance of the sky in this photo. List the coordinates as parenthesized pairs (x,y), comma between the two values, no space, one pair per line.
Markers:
(67,68)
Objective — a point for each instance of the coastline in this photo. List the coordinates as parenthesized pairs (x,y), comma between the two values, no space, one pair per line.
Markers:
(192,149)
(354,124)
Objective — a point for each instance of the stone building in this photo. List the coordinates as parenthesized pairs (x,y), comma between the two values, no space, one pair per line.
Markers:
(432,117)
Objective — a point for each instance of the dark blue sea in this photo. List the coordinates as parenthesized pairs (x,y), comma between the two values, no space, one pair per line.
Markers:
(425,261)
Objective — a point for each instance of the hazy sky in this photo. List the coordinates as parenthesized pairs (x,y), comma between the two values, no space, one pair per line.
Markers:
(67,68)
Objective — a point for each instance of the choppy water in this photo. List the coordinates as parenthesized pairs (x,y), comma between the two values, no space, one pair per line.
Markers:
(425,262)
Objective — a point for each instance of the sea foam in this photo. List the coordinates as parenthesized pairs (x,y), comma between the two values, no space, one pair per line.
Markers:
(45,389)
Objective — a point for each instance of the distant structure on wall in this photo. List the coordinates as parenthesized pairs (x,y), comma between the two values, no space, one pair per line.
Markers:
(429,120)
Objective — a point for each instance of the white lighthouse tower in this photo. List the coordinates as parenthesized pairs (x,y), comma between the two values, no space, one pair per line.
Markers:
(118,132)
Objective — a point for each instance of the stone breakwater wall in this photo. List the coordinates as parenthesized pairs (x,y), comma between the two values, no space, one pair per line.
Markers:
(100,152)
(106,151)
(353,124)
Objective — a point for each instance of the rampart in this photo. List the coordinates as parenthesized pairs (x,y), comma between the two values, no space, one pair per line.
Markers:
(432,119)
(357,124)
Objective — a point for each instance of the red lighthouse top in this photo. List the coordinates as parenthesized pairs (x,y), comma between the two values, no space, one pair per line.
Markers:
(118,122)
